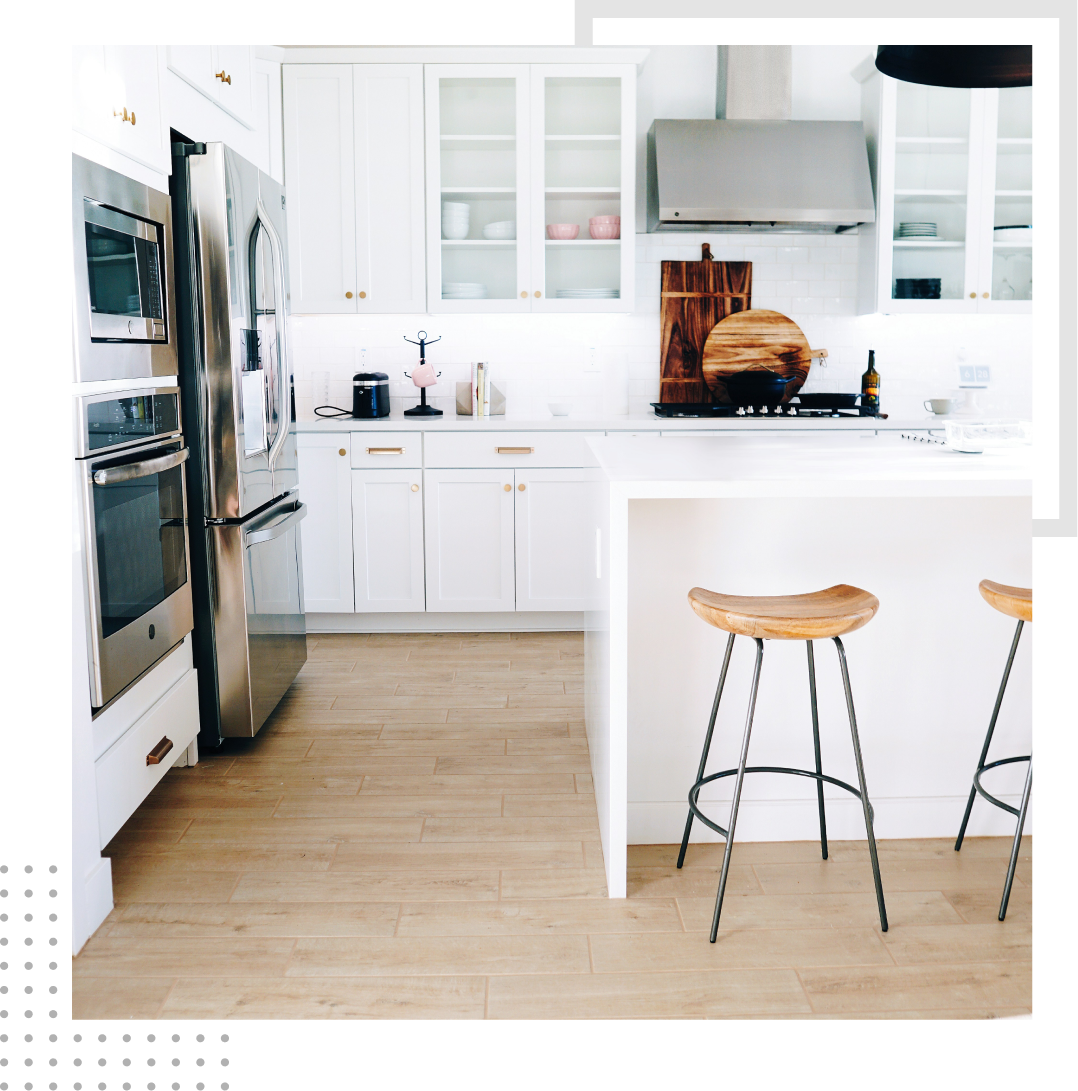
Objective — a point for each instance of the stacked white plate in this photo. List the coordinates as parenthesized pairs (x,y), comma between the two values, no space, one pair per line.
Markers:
(463,290)
(588,293)
(503,229)
(916,230)
(456,219)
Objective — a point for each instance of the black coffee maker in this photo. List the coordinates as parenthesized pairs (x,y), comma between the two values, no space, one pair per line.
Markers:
(370,395)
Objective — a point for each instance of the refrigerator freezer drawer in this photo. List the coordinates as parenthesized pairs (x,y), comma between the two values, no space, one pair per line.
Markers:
(259,626)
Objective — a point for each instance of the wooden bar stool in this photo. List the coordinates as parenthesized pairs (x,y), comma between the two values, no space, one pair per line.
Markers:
(820,615)
(1016,602)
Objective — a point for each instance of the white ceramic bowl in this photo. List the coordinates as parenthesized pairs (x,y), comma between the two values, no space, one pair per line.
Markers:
(456,206)
(503,229)
(562,231)
(1013,234)
(558,409)
(455,230)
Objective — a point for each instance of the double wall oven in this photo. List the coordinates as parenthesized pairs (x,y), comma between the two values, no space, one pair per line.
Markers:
(131,456)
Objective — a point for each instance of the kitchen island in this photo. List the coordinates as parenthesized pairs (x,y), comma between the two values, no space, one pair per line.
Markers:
(914,523)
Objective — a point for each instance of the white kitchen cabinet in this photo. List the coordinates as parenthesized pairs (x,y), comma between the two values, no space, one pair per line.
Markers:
(531,145)
(319,175)
(325,486)
(353,137)
(117,102)
(959,160)
(223,73)
(267,92)
(469,517)
(388,114)
(387,540)
(555,540)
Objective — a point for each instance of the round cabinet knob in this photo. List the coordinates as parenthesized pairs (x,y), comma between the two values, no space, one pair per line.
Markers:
(521,487)
(415,488)
(362,295)
(347,295)
(523,295)
(984,295)
(973,295)
(508,488)
(538,294)
(342,452)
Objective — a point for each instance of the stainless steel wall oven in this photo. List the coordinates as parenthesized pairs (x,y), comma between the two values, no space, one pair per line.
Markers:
(131,456)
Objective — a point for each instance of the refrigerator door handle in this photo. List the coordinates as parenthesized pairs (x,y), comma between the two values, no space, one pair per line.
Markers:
(281,329)
(276,529)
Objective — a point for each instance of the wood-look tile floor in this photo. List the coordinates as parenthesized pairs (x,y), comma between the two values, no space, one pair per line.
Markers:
(413,834)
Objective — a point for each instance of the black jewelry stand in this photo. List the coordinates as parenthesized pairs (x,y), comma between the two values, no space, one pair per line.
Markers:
(422,409)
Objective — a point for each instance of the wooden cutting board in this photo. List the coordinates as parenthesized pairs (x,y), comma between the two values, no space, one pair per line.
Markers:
(695,296)
(757,341)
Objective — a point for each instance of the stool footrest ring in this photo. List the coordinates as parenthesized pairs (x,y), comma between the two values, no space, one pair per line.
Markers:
(694,791)
(991,798)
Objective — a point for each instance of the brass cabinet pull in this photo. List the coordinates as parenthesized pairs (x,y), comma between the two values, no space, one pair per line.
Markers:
(342,452)
(362,295)
(223,78)
(508,488)
(523,295)
(973,295)
(984,295)
(515,450)
(521,487)
(385,450)
(415,488)
(123,115)
(347,295)
(538,294)
(159,751)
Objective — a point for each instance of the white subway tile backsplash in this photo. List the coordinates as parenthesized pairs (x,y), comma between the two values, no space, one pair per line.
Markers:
(540,358)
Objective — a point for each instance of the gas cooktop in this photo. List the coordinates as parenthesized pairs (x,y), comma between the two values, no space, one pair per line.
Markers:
(790,411)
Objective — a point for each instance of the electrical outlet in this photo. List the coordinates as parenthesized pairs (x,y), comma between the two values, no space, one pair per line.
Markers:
(591,359)
(361,360)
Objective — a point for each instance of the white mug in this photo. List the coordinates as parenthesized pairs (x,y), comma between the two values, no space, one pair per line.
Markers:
(940,406)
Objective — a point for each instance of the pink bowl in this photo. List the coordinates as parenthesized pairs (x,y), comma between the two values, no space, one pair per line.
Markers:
(605,220)
(605,231)
(562,231)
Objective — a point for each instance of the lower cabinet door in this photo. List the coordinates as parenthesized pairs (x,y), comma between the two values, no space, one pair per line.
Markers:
(387,540)
(469,539)
(325,486)
(555,540)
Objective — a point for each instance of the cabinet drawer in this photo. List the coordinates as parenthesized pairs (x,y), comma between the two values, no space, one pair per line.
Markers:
(386,450)
(509,449)
(123,777)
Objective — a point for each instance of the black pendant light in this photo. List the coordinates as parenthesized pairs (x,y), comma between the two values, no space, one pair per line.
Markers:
(958,65)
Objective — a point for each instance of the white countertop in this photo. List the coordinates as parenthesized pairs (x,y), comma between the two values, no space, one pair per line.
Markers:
(827,465)
(396,422)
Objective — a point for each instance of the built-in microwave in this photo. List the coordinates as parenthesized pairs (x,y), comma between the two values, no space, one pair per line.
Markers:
(124,295)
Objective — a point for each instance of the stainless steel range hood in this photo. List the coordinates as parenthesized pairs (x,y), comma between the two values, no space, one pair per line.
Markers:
(751,169)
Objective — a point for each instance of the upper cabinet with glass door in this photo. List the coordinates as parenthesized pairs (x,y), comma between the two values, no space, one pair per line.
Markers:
(1008,263)
(947,172)
(520,160)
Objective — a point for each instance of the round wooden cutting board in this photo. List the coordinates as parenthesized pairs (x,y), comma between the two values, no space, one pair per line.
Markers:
(757,341)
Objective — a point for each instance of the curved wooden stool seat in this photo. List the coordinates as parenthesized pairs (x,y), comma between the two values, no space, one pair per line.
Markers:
(1016,602)
(828,614)
(816,616)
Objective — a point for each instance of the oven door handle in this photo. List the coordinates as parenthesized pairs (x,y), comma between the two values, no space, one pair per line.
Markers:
(115,474)
(275,530)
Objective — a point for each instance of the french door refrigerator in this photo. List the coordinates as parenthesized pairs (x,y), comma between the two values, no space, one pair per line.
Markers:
(236,378)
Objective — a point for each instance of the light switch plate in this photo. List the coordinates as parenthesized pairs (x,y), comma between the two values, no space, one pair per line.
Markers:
(591,359)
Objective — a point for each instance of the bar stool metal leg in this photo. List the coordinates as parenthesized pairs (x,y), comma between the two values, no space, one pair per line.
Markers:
(737,788)
(816,746)
(1017,838)
(707,742)
(866,806)
(988,737)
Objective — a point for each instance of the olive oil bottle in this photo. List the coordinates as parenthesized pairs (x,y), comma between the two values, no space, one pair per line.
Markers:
(870,387)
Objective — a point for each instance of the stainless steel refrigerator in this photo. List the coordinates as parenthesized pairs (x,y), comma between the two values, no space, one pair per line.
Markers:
(236,377)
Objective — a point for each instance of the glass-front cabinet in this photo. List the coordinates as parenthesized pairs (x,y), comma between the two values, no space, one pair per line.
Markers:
(953,175)
(530,187)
